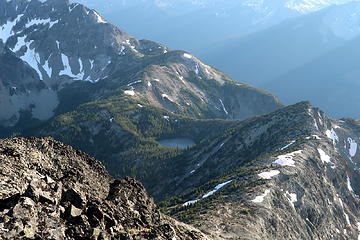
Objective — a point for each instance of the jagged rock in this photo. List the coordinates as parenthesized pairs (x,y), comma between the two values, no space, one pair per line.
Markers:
(50,191)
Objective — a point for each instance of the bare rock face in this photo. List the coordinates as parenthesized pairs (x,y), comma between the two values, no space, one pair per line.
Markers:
(50,191)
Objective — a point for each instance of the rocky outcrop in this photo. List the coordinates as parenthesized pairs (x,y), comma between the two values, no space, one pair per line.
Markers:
(50,191)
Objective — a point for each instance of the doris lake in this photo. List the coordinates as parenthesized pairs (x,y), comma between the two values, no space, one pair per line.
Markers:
(177,142)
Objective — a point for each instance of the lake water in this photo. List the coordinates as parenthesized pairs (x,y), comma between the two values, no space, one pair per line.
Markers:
(177,142)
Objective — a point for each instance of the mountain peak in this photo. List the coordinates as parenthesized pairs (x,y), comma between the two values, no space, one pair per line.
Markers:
(68,45)
(305,6)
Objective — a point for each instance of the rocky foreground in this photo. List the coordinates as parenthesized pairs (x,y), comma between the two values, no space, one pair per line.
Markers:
(48,190)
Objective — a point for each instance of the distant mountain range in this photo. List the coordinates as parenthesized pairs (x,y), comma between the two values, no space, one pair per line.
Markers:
(257,42)
(266,55)
(330,80)
(196,25)
(300,58)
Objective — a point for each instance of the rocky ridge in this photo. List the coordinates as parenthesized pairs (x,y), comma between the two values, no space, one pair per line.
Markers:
(298,180)
(51,191)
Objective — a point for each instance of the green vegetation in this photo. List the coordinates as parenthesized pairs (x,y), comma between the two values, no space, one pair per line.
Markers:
(122,132)
(244,181)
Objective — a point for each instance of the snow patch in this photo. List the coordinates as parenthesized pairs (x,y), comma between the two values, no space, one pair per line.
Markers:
(323,156)
(67,68)
(316,137)
(332,135)
(287,159)
(207,71)
(197,69)
(130,84)
(32,58)
(6,30)
(19,44)
(341,202)
(47,68)
(261,198)
(167,97)
(313,136)
(99,18)
(288,145)
(345,214)
(38,21)
(353,147)
(349,184)
(72,7)
(217,188)
(129,92)
(347,219)
(308,6)
(191,202)
(186,55)
(92,64)
(223,106)
(269,174)
(122,50)
(292,198)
